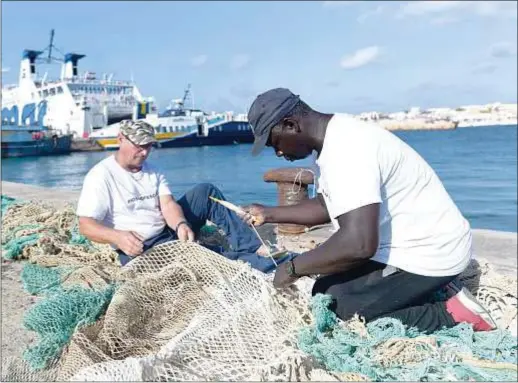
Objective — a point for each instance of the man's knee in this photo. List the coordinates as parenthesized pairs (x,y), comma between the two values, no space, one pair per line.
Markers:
(205,189)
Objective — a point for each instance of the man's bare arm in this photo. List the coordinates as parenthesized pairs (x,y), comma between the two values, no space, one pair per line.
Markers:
(172,212)
(309,212)
(354,243)
(97,232)
(127,241)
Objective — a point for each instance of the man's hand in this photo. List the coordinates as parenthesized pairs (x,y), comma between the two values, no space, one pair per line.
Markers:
(282,279)
(185,233)
(255,214)
(130,243)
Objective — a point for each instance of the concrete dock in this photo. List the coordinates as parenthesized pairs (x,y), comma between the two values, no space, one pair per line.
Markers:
(497,247)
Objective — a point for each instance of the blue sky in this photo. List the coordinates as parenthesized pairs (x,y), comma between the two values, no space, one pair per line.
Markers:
(339,56)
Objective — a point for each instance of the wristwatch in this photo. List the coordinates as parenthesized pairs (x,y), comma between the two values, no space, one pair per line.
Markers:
(290,268)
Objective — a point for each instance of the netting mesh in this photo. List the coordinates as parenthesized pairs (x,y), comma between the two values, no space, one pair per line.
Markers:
(182,312)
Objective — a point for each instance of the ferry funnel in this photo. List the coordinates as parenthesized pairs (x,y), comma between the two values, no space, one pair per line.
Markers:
(69,69)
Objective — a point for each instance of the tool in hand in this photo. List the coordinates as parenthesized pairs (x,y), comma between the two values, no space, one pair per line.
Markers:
(238,210)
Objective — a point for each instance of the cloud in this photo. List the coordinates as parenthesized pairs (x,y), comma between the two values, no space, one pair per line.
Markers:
(199,60)
(221,104)
(243,91)
(480,8)
(5,70)
(366,15)
(503,49)
(332,84)
(239,61)
(437,88)
(442,20)
(484,68)
(360,58)
(336,4)
(416,8)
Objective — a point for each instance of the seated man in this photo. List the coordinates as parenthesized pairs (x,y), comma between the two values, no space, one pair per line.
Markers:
(399,236)
(127,203)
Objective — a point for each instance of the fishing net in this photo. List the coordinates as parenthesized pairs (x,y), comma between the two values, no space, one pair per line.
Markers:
(386,350)
(183,312)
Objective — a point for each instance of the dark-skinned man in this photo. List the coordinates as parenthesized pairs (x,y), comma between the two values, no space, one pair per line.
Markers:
(399,238)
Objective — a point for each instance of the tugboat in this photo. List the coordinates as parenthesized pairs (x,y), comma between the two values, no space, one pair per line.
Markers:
(32,139)
(24,142)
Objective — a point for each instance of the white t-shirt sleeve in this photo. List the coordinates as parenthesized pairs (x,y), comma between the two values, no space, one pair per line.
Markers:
(163,185)
(352,178)
(94,201)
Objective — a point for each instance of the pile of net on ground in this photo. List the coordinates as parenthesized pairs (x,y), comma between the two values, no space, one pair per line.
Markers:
(182,312)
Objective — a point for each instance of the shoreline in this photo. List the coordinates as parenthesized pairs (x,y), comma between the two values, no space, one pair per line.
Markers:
(60,197)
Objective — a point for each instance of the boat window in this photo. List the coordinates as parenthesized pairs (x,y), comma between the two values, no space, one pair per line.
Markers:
(60,90)
(52,91)
(45,92)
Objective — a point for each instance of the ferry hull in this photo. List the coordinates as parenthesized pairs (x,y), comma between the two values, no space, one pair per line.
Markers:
(44,147)
(112,143)
(231,133)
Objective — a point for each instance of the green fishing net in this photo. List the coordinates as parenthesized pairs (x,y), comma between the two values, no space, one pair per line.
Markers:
(386,350)
(63,309)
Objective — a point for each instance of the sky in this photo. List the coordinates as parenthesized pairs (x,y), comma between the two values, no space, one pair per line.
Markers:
(339,56)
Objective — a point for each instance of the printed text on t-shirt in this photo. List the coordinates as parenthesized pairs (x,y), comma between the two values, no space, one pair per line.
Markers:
(142,198)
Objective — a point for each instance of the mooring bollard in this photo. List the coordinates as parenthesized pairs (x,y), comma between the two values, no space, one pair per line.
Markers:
(292,187)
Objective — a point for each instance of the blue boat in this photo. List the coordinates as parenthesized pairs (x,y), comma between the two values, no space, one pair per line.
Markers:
(23,141)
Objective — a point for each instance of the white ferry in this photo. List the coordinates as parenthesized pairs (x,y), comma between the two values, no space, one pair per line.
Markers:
(76,104)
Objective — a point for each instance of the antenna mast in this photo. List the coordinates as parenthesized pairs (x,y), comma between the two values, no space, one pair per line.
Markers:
(49,58)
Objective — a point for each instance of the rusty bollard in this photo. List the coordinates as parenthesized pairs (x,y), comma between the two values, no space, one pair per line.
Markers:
(292,187)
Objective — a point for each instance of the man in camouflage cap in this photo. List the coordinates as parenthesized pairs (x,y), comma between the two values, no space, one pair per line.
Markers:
(138,132)
(136,139)
(127,203)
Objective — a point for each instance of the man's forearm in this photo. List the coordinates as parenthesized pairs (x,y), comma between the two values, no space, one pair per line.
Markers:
(309,212)
(335,255)
(173,214)
(96,232)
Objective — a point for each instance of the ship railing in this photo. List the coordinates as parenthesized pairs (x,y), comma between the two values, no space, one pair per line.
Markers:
(98,81)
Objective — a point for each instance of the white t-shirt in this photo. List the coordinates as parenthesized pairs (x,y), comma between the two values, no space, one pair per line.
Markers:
(421,229)
(123,200)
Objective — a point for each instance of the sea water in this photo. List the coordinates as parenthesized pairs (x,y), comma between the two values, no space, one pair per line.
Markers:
(478,167)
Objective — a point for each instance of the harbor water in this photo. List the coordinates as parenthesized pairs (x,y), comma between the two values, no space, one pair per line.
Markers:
(478,167)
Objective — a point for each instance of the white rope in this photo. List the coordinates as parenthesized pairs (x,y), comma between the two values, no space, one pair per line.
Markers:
(298,181)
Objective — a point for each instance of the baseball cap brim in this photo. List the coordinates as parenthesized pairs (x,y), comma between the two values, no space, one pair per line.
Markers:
(149,140)
(259,144)
(144,141)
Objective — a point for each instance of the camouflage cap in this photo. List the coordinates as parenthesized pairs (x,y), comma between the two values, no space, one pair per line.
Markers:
(138,132)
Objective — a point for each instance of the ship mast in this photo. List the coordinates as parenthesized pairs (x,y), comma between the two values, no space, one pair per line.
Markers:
(51,45)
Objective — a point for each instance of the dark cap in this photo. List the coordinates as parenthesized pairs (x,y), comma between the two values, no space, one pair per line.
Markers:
(267,110)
